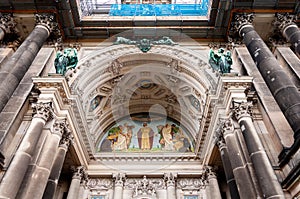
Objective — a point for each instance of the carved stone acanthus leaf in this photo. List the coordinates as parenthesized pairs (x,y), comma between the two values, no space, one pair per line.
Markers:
(242,20)
(59,127)
(67,138)
(7,23)
(190,184)
(243,109)
(79,173)
(284,20)
(100,183)
(210,172)
(42,110)
(47,20)
(170,178)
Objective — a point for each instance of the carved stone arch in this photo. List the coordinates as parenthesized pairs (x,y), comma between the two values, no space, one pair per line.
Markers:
(100,72)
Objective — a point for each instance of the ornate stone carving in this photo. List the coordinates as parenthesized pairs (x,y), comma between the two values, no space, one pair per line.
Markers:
(174,66)
(242,109)
(283,20)
(42,110)
(79,172)
(170,179)
(115,67)
(67,138)
(190,184)
(242,20)
(119,179)
(47,20)
(144,186)
(100,183)
(210,172)
(59,127)
(7,23)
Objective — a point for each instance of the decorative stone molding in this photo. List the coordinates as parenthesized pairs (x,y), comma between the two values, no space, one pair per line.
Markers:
(242,109)
(7,23)
(190,184)
(210,172)
(115,67)
(67,138)
(242,20)
(284,20)
(42,110)
(100,183)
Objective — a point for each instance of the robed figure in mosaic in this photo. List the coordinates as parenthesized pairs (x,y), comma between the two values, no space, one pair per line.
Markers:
(145,137)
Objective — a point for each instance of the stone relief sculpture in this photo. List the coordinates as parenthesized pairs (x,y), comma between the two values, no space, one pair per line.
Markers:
(145,44)
(65,60)
(220,61)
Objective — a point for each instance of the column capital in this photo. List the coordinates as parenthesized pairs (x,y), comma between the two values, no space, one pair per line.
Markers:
(42,110)
(59,127)
(241,20)
(79,172)
(7,23)
(210,172)
(66,139)
(283,20)
(170,179)
(46,20)
(119,179)
(242,109)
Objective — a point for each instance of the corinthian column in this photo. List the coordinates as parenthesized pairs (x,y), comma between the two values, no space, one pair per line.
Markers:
(57,165)
(282,88)
(213,183)
(119,183)
(239,168)
(285,23)
(73,192)
(265,174)
(7,25)
(17,168)
(227,167)
(34,187)
(170,179)
(21,60)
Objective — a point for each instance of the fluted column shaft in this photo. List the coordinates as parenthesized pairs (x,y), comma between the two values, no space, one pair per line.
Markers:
(56,168)
(34,187)
(16,171)
(213,184)
(75,184)
(265,174)
(239,169)
(228,168)
(20,62)
(282,88)
(119,183)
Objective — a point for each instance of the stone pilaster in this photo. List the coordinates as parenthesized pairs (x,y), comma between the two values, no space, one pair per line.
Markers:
(265,174)
(275,77)
(18,64)
(213,183)
(239,168)
(34,187)
(227,166)
(289,29)
(170,179)
(7,25)
(57,165)
(17,169)
(73,192)
(118,186)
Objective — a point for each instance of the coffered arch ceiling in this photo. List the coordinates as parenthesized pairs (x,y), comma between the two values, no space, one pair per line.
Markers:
(121,81)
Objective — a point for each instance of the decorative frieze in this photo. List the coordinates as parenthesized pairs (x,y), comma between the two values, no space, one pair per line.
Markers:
(100,183)
(190,184)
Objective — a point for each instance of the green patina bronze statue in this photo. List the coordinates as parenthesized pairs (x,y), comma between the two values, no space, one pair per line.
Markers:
(65,60)
(220,61)
(145,44)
